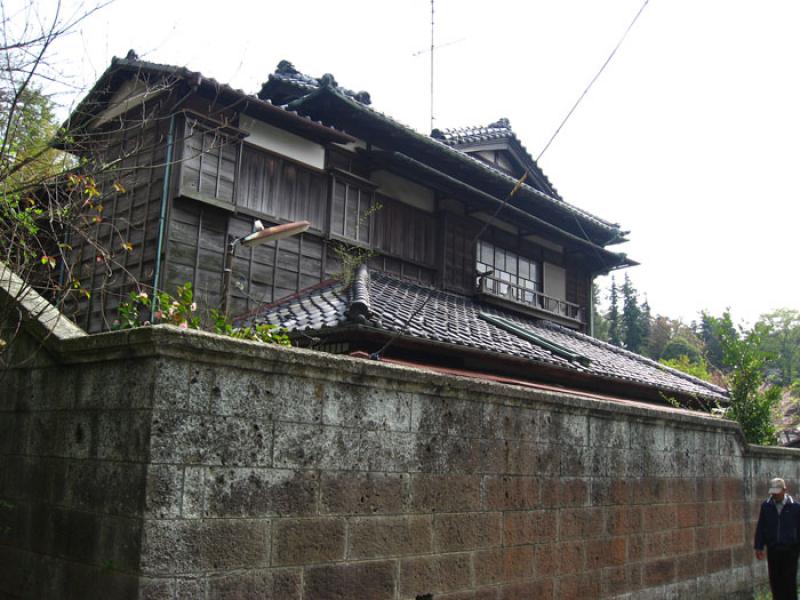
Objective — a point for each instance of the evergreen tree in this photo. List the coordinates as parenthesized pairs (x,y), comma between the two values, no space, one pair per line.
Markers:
(661,330)
(782,343)
(599,321)
(646,327)
(709,334)
(632,334)
(614,333)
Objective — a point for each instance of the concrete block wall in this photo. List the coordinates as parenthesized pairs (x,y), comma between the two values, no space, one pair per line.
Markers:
(272,473)
(74,445)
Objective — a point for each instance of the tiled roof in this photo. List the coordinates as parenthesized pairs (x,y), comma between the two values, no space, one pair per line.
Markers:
(132,62)
(379,301)
(610,228)
(286,72)
(497,131)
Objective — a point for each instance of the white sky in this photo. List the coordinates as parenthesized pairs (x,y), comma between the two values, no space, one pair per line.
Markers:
(690,139)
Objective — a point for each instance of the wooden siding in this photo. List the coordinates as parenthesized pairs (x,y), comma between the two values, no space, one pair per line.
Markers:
(128,217)
(208,161)
(458,269)
(260,275)
(405,232)
(275,186)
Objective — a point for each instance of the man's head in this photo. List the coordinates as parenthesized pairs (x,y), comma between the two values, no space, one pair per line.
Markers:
(777,489)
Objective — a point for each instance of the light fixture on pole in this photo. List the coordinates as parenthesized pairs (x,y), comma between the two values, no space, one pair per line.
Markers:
(260,235)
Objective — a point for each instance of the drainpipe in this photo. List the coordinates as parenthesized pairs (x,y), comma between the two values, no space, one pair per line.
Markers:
(163,216)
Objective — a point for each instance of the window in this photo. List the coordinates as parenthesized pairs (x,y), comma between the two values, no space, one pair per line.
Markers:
(351,212)
(514,276)
(208,166)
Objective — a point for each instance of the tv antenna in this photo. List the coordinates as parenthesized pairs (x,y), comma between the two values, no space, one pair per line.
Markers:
(431,50)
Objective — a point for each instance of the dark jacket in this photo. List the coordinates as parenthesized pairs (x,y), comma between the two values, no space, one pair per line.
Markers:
(778,530)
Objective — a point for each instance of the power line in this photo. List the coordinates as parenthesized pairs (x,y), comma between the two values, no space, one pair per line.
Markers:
(591,83)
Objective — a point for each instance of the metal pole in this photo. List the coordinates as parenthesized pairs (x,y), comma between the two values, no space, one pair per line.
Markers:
(432,48)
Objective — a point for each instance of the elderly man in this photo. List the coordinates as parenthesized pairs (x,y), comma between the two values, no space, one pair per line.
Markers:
(779,529)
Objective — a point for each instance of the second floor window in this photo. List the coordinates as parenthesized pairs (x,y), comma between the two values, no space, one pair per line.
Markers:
(351,212)
(514,276)
(208,166)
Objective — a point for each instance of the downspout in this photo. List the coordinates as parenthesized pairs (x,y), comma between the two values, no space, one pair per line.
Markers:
(162,220)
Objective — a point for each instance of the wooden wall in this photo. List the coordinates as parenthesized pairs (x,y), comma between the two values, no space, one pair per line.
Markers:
(221,184)
(130,217)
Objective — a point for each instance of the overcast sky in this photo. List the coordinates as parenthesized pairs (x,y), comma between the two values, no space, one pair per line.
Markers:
(690,139)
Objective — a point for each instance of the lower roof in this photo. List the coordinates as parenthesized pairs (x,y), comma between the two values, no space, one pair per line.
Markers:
(378,306)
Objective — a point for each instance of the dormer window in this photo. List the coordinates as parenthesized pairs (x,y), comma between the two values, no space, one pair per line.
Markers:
(507,274)
(507,278)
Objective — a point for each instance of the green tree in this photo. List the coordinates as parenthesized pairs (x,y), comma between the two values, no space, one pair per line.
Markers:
(49,202)
(697,369)
(660,335)
(632,331)
(614,328)
(711,341)
(751,405)
(645,325)
(782,340)
(600,324)
(681,345)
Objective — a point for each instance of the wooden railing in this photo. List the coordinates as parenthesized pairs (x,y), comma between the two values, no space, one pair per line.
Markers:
(531,298)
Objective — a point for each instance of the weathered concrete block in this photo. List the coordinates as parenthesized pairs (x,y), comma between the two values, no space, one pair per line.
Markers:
(609,433)
(194,546)
(575,461)
(189,588)
(607,552)
(511,493)
(156,588)
(658,572)
(172,384)
(583,585)
(308,541)
(193,499)
(530,527)
(121,435)
(467,531)
(382,537)
(364,493)
(540,589)
(375,580)
(246,492)
(164,487)
(510,422)
(447,416)
(434,575)
(623,520)
(367,408)
(104,386)
(580,523)
(272,584)
(445,493)
(178,438)
(497,565)
(566,429)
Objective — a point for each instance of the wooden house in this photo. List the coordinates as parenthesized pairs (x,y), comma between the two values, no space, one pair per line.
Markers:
(464,216)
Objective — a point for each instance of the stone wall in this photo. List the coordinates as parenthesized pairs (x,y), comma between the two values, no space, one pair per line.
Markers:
(166,464)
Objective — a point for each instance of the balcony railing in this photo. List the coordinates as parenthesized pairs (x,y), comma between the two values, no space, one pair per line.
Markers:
(530,298)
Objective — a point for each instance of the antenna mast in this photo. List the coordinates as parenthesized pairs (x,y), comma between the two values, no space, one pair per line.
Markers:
(432,48)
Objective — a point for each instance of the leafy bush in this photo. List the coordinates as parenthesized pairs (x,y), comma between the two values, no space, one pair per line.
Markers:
(181,310)
(752,405)
(684,364)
